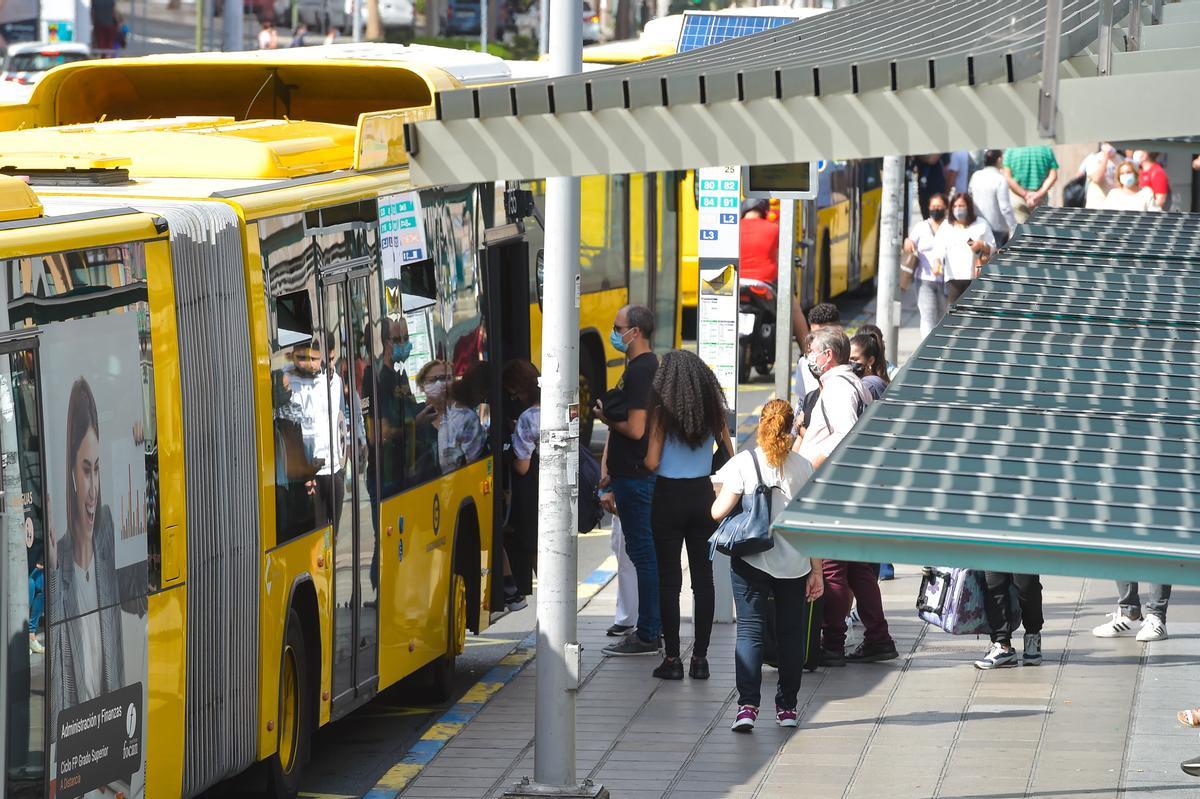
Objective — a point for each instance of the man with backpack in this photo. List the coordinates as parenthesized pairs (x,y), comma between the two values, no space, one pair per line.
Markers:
(841,401)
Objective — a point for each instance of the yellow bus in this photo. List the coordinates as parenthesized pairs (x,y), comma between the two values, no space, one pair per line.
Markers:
(844,236)
(251,413)
(628,254)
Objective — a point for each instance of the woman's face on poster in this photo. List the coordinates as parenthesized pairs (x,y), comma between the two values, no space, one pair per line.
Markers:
(86,472)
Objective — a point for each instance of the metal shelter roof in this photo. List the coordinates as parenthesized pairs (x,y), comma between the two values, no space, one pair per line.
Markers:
(876,78)
(1050,423)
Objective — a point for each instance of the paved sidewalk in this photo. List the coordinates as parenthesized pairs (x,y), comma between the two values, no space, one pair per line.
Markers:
(1097,720)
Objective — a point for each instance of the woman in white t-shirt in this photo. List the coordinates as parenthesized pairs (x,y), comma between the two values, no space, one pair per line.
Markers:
(931,293)
(1128,196)
(961,242)
(782,572)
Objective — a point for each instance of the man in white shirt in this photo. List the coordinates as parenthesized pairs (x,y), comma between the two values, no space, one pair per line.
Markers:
(843,399)
(989,190)
(823,314)
(316,390)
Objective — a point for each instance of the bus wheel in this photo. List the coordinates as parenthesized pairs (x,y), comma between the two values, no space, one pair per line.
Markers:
(442,670)
(295,714)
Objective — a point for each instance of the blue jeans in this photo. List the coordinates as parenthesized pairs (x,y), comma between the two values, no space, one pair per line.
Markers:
(37,599)
(633,496)
(752,588)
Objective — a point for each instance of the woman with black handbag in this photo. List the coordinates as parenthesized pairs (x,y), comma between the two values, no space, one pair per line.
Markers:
(783,572)
(686,421)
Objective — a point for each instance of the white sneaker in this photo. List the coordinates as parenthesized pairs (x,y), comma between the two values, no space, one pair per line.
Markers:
(1153,629)
(36,648)
(1118,626)
(999,657)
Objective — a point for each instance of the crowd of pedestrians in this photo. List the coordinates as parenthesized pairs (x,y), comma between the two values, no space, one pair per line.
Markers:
(671,477)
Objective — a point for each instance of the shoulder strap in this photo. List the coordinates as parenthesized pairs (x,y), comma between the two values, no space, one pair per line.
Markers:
(757,471)
(858,403)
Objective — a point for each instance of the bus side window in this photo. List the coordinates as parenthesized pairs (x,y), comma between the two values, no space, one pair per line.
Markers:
(299,398)
(452,380)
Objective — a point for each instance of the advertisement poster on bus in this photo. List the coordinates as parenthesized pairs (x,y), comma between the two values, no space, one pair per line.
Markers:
(719,195)
(92,386)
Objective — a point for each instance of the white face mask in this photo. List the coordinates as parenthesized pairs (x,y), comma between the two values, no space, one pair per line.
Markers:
(960,214)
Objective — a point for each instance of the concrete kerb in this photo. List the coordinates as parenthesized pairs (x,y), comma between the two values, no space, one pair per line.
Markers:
(455,719)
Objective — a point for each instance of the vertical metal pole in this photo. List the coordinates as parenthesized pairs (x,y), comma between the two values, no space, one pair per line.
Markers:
(783,299)
(231,27)
(199,26)
(1051,55)
(544,27)
(1104,37)
(483,25)
(887,311)
(357,25)
(1133,39)
(558,485)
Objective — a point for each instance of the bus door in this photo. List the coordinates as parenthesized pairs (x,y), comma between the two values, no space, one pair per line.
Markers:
(854,266)
(506,290)
(21,469)
(350,343)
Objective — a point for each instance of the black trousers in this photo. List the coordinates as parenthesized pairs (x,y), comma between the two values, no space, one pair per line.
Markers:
(999,604)
(955,289)
(681,516)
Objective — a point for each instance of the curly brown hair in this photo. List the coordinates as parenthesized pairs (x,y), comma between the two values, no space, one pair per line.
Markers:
(686,401)
(775,431)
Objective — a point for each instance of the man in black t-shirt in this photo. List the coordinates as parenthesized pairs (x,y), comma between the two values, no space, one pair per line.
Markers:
(624,469)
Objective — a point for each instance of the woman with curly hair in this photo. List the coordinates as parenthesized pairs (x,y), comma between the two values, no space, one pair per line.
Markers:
(686,414)
(782,572)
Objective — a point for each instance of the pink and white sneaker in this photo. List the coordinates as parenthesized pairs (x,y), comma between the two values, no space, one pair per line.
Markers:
(786,718)
(746,716)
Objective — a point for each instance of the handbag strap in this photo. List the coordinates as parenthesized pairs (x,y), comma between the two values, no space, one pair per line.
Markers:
(757,471)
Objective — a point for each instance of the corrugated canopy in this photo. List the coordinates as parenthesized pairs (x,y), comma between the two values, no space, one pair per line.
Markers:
(877,44)
(880,77)
(1050,423)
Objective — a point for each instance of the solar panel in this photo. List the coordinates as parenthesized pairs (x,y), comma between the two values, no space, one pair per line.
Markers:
(704,28)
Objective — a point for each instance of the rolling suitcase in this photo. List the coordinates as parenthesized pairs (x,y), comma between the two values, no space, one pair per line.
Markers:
(953,599)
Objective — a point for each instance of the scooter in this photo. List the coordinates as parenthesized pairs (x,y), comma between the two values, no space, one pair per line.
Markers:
(756,327)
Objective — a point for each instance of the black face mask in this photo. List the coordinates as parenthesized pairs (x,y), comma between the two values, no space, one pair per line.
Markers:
(858,368)
(938,214)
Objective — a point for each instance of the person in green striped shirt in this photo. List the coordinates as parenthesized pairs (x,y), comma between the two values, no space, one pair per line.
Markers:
(1031,173)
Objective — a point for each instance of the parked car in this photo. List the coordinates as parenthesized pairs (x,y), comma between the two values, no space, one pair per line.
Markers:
(26,63)
(462,19)
(591,26)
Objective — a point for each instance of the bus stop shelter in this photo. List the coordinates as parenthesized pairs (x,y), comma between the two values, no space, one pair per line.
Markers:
(1050,423)
(881,77)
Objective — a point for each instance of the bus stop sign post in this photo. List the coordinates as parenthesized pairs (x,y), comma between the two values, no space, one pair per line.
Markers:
(558,651)
(887,280)
(719,193)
